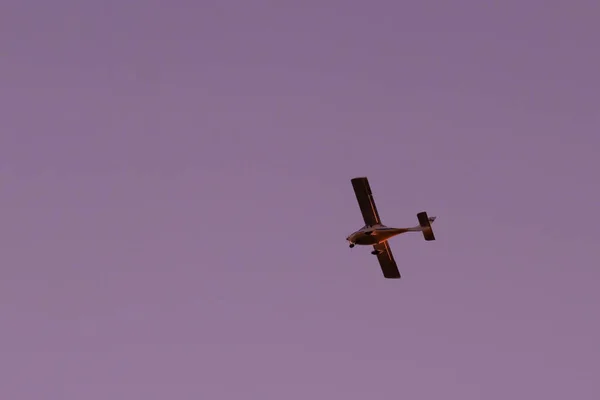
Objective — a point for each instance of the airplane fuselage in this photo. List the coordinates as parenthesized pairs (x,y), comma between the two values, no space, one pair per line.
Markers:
(371,235)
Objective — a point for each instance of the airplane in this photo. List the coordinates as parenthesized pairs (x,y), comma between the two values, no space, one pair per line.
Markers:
(375,234)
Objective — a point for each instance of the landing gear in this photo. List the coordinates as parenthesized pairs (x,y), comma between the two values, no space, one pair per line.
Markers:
(351,245)
(376,252)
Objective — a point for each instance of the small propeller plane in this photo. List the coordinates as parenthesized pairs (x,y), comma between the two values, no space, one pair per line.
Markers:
(375,234)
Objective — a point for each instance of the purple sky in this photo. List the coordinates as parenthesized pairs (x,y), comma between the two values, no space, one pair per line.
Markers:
(176,192)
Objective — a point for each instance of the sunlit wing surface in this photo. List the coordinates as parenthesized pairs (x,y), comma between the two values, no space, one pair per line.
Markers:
(366,201)
(386,261)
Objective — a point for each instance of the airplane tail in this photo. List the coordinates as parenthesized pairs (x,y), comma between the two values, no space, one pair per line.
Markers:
(425,223)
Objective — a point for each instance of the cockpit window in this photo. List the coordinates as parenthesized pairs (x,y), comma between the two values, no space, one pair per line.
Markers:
(370,226)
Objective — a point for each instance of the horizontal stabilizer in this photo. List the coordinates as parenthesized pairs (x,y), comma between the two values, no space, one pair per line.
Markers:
(425,223)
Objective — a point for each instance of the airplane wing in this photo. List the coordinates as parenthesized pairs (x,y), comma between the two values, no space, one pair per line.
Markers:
(386,261)
(363,193)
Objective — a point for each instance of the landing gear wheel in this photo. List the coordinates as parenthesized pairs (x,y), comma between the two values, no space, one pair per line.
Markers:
(376,252)
(351,245)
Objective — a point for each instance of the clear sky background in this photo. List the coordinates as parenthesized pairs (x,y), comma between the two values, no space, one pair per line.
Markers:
(175,194)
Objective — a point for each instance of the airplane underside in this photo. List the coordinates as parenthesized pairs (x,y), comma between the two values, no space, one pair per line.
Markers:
(375,237)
